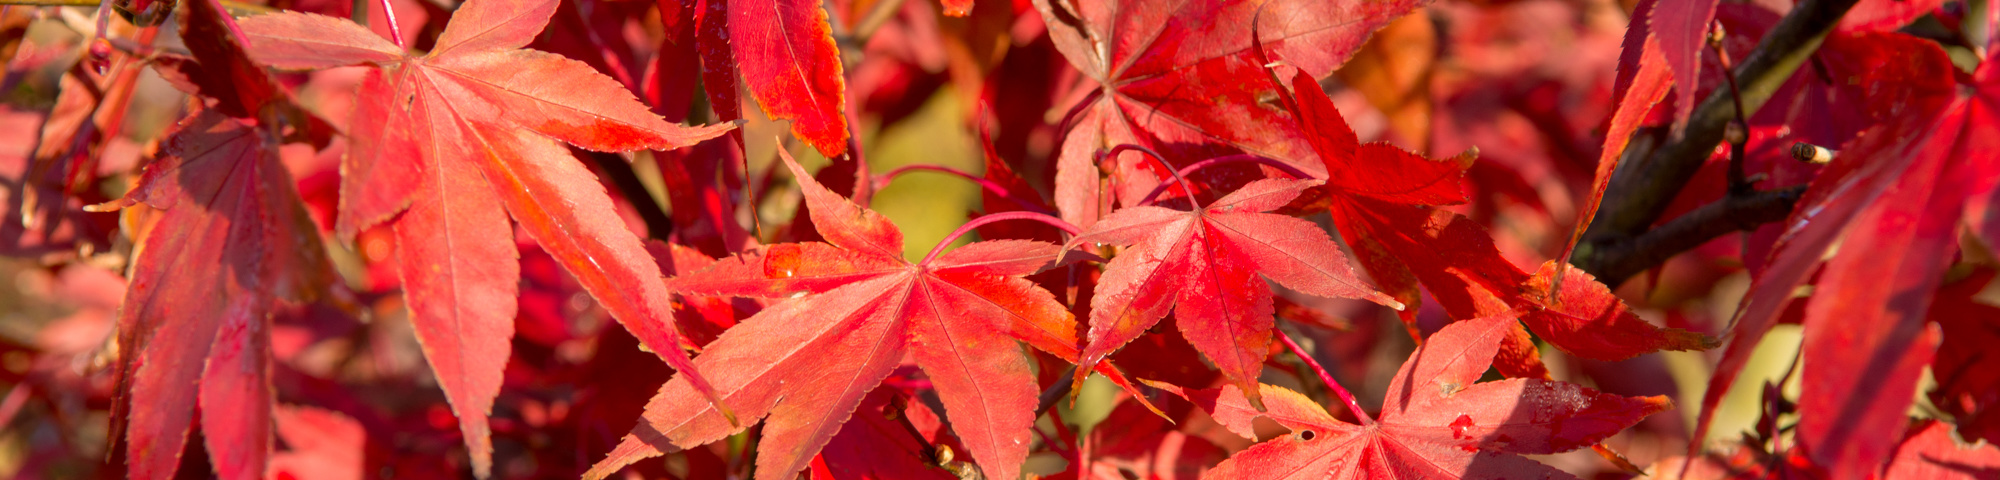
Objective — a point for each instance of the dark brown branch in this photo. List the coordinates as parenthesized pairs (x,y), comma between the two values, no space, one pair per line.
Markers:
(614,167)
(1616,262)
(1055,392)
(1645,184)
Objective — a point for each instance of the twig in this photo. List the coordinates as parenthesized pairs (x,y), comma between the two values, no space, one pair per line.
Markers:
(1737,133)
(1613,263)
(1641,190)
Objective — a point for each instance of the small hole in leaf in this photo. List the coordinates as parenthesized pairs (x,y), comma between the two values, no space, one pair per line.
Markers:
(1307,435)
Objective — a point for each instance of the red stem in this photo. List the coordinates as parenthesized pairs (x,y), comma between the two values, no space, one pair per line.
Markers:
(1162,160)
(395,31)
(1237,158)
(990,186)
(996,217)
(1068,437)
(230,23)
(1345,397)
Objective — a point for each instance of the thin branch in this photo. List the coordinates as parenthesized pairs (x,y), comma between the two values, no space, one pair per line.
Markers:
(1055,392)
(1641,189)
(1616,262)
(1345,397)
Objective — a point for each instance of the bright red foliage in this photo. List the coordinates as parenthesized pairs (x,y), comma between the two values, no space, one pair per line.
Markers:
(509,239)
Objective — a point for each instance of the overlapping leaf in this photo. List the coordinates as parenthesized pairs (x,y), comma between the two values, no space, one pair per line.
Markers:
(446,146)
(1435,423)
(1208,265)
(804,365)
(230,242)
(1169,76)
(1377,196)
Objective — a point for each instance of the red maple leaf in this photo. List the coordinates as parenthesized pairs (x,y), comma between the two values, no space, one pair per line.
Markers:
(1379,199)
(1167,76)
(1435,422)
(448,145)
(1208,265)
(807,363)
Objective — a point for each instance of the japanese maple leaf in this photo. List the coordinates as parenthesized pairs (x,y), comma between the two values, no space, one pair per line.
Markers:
(446,146)
(1208,266)
(861,308)
(1377,195)
(230,241)
(1171,76)
(1435,422)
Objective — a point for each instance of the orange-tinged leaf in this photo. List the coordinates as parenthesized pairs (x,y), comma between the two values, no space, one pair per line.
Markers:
(785,51)
(804,365)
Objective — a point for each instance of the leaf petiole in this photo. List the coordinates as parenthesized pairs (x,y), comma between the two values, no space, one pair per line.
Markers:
(990,186)
(1162,160)
(1228,159)
(1345,397)
(998,217)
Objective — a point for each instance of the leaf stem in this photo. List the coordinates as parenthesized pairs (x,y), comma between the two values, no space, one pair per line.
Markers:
(395,30)
(997,217)
(1345,397)
(990,186)
(1162,160)
(1227,159)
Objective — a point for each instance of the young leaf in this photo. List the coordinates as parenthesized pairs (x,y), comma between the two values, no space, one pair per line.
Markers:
(1435,423)
(1208,265)
(448,145)
(807,363)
